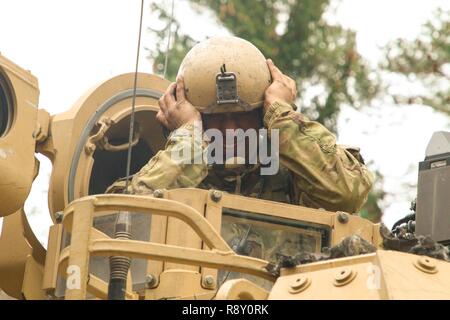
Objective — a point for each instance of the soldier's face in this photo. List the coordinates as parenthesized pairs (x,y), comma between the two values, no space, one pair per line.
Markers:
(235,120)
(251,120)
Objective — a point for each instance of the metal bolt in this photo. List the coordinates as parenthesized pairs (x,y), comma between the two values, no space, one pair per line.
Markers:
(216,195)
(342,217)
(150,281)
(59,216)
(426,264)
(209,281)
(158,193)
(299,284)
(344,276)
(89,148)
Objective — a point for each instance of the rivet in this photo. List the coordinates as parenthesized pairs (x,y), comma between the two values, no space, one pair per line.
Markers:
(59,216)
(150,281)
(158,193)
(426,264)
(209,282)
(89,148)
(344,276)
(299,284)
(216,195)
(342,217)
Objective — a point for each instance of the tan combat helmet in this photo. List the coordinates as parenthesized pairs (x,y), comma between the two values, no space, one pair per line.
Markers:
(225,74)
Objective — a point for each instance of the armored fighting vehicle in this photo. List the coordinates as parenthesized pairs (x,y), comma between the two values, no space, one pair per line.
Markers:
(177,248)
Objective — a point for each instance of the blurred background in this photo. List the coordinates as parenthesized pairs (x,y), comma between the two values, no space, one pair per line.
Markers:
(375,72)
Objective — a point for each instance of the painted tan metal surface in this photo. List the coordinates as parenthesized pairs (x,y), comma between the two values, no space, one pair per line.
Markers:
(186,251)
(78,220)
(179,284)
(241,289)
(4,296)
(32,280)
(79,250)
(17,162)
(57,137)
(67,129)
(52,258)
(179,233)
(213,213)
(354,225)
(21,255)
(216,253)
(17,243)
(381,275)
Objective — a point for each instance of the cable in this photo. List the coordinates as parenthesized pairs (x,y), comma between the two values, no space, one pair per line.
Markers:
(133,103)
(169,36)
(120,265)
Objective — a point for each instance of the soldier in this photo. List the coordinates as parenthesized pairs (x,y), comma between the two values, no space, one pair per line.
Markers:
(314,171)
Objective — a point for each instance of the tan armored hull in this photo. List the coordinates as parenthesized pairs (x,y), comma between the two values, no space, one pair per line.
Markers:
(184,241)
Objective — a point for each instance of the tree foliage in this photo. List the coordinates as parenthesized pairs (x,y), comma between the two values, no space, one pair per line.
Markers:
(425,60)
(372,209)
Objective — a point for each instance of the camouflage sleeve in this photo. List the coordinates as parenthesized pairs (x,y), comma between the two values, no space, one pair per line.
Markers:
(179,165)
(325,175)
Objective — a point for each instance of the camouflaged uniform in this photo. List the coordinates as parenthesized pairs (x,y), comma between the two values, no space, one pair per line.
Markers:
(314,171)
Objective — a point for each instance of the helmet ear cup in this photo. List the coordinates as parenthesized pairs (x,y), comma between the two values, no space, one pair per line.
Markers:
(225,74)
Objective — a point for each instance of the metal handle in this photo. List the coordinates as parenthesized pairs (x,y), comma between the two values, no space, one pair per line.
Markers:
(105,145)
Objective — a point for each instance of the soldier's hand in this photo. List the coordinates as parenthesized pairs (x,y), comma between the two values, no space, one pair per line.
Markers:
(282,89)
(175,110)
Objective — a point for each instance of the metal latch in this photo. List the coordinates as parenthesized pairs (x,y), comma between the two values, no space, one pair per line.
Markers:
(226,87)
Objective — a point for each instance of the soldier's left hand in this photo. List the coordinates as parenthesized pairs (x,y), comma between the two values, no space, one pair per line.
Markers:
(282,89)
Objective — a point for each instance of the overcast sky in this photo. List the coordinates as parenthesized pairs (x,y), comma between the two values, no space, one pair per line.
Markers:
(71,45)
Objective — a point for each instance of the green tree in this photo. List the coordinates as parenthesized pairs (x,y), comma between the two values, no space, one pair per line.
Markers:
(425,61)
(372,209)
(320,56)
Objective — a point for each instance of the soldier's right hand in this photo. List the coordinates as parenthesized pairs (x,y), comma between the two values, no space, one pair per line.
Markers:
(282,88)
(175,110)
